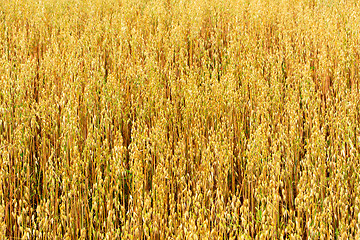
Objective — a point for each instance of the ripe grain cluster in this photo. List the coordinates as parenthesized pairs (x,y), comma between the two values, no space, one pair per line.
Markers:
(179,119)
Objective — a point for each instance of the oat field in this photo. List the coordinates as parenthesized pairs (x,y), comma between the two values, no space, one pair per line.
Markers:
(179,119)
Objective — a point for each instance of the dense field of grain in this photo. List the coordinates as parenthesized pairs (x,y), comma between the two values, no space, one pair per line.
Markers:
(179,119)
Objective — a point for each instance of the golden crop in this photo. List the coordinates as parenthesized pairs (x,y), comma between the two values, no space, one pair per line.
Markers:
(179,119)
